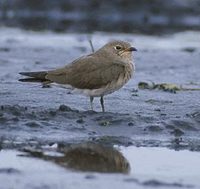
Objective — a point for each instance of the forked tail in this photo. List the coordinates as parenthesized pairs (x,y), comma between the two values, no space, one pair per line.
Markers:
(34,77)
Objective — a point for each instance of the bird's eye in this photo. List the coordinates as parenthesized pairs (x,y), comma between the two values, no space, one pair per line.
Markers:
(118,47)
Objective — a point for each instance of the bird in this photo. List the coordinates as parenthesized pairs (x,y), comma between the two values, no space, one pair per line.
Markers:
(95,75)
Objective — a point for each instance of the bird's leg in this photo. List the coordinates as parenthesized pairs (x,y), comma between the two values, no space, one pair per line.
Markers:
(102,104)
(91,102)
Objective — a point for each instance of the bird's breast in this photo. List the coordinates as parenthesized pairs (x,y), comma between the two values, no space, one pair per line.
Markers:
(121,80)
(129,70)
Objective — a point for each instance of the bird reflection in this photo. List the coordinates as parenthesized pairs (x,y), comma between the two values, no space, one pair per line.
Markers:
(86,157)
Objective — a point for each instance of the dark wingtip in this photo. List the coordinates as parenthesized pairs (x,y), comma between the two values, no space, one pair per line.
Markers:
(26,80)
(29,79)
(38,75)
(23,73)
(21,80)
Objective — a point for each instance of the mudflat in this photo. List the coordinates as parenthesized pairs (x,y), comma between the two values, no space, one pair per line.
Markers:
(137,115)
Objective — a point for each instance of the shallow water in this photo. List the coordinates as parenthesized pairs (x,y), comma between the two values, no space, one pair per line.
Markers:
(150,167)
(164,165)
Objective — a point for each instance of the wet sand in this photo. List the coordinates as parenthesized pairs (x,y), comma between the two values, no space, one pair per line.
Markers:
(32,116)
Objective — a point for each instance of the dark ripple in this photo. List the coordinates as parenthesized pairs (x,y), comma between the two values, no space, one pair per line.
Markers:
(9,171)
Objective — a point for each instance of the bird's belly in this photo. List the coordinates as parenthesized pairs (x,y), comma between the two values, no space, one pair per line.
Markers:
(105,90)
(97,92)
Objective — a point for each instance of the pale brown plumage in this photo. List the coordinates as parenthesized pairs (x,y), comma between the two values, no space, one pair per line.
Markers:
(97,74)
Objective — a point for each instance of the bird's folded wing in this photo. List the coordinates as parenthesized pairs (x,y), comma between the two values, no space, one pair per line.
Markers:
(86,73)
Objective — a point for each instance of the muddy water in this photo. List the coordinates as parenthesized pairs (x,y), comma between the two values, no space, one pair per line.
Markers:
(32,116)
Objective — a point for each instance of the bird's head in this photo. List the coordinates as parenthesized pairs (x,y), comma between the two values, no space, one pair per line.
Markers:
(118,50)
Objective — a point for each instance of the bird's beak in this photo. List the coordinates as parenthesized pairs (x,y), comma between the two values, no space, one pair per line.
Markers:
(131,49)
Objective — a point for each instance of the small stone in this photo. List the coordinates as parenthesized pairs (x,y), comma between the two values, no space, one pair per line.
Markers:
(64,108)
(130,124)
(80,121)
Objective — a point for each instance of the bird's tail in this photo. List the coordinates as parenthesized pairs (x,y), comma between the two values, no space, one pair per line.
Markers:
(34,76)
